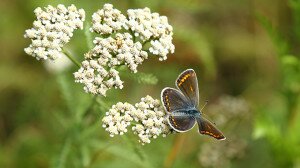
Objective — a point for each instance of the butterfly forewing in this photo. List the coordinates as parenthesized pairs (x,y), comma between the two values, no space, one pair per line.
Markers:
(207,128)
(181,123)
(174,100)
(188,84)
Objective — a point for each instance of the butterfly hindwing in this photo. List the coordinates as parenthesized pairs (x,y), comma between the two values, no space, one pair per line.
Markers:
(207,128)
(187,83)
(181,122)
(174,100)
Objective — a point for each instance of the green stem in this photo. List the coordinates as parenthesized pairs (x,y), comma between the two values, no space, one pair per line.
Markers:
(102,104)
(133,36)
(96,155)
(88,110)
(71,58)
(64,153)
(134,147)
(145,42)
(88,35)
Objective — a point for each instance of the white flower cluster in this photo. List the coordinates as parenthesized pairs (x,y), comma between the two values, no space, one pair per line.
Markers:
(235,107)
(147,26)
(214,154)
(96,78)
(151,27)
(122,42)
(107,20)
(52,30)
(147,117)
(151,118)
(118,118)
(117,51)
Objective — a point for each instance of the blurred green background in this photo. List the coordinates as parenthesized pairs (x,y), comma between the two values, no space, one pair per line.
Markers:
(246,56)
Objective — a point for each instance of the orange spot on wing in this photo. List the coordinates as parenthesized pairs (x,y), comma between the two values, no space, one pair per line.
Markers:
(183,79)
(173,121)
(191,88)
(210,133)
(168,102)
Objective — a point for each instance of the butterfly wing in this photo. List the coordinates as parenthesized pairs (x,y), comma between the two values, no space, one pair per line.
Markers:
(174,100)
(207,128)
(187,82)
(180,121)
(176,104)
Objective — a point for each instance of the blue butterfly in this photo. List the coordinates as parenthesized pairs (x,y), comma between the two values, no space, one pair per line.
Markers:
(182,106)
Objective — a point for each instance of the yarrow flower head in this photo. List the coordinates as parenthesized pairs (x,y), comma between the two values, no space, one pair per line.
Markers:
(100,82)
(122,41)
(118,118)
(107,20)
(214,154)
(147,119)
(52,29)
(239,107)
(151,27)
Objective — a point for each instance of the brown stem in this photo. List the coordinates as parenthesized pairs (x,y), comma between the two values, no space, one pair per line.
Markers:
(178,141)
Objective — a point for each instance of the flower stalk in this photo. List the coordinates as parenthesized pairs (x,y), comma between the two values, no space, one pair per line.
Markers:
(71,58)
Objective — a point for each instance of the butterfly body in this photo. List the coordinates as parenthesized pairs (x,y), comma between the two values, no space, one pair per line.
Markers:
(182,106)
(190,112)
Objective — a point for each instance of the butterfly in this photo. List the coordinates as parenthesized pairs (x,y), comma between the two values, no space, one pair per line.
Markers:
(181,105)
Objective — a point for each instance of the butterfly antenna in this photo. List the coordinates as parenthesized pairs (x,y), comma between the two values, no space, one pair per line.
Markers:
(204,105)
(205,114)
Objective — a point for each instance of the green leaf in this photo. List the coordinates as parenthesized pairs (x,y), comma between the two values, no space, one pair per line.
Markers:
(129,155)
(121,150)
(134,147)
(265,127)
(77,101)
(143,78)
(85,155)
(66,91)
(61,160)
(290,60)
(291,70)
(91,130)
